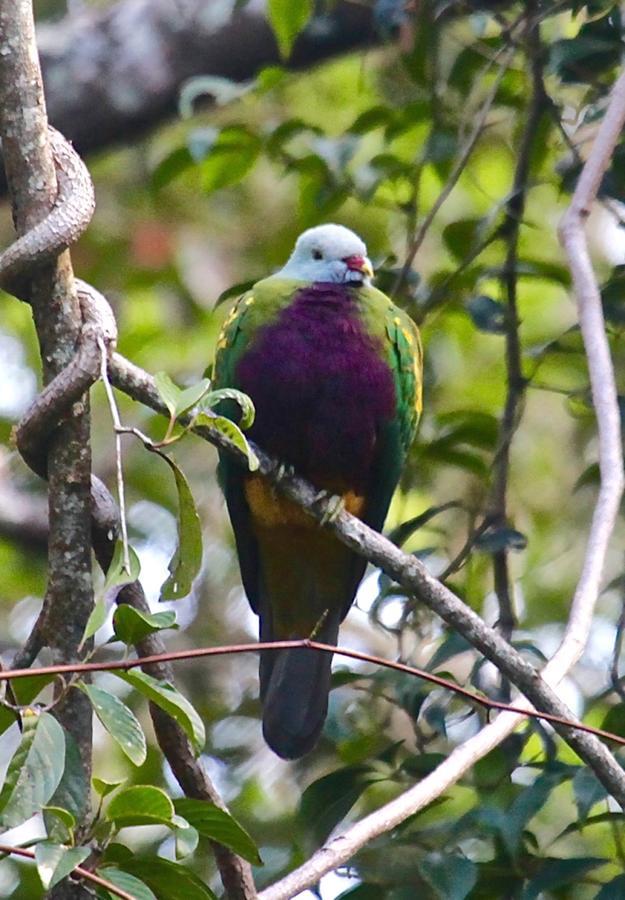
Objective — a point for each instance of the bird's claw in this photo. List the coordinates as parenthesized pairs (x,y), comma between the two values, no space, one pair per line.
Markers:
(334,506)
(284,470)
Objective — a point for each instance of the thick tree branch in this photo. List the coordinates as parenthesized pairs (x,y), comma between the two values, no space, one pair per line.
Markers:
(112,73)
(31,178)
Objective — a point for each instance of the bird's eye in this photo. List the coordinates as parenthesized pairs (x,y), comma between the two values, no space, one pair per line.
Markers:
(317,254)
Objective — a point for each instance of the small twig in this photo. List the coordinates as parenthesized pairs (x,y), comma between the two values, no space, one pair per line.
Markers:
(124,665)
(456,172)
(615,678)
(117,425)
(77,870)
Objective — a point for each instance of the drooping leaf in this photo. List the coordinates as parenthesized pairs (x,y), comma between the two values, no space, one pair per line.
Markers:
(288,18)
(169,880)
(127,882)
(587,790)
(56,861)
(526,805)
(451,877)
(187,559)
(140,804)
(131,625)
(169,699)
(233,433)
(555,873)
(186,839)
(244,402)
(613,890)
(493,540)
(35,769)
(327,801)
(60,824)
(117,574)
(230,158)
(120,722)
(487,314)
(71,796)
(96,620)
(168,391)
(218,825)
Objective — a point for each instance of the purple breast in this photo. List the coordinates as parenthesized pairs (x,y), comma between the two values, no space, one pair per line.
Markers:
(320,386)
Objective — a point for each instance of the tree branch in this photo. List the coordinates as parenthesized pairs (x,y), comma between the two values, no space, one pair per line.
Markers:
(31,178)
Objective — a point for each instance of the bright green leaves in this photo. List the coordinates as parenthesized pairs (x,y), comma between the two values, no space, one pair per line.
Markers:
(218,825)
(168,880)
(187,559)
(288,18)
(166,697)
(127,882)
(131,626)
(234,434)
(120,722)
(56,861)
(35,769)
(140,804)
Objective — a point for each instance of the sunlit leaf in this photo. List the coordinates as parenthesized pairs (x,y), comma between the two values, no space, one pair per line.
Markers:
(120,722)
(187,559)
(233,433)
(35,769)
(288,18)
(131,625)
(218,825)
(56,861)
(140,804)
(169,699)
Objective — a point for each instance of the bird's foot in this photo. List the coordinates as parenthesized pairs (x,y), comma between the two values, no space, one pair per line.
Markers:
(284,470)
(334,506)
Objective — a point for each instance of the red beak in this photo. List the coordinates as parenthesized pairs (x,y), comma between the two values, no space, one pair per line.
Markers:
(358,264)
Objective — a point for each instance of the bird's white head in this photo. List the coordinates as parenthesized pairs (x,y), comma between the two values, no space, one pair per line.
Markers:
(330,253)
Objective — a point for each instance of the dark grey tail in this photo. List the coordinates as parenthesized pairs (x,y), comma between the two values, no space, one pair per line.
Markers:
(294,687)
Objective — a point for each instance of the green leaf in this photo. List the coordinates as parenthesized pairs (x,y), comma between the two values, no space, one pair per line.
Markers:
(187,559)
(103,788)
(230,158)
(120,722)
(556,873)
(34,771)
(587,790)
(233,433)
(172,165)
(287,19)
(613,890)
(127,882)
(96,620)
(487,314)
(525,807)
(245,403)
(218,825)
(191,396)
(140,804)
(24,690)
(60,824)
(235,290)
(169,699)
(450,877)
(71,795)
(117,574)
(186,839)
(169,880)
(327,801)
(56,861)
(494,540)
(168,391)
(131,625)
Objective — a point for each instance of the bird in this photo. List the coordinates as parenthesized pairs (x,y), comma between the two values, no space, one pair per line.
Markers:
(334,370)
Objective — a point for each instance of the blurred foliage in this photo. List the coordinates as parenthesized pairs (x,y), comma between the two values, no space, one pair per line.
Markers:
(216,200)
